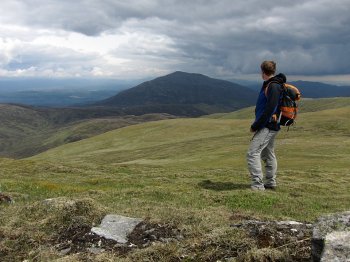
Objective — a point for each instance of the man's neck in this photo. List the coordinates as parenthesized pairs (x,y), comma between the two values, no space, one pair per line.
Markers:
(266,77)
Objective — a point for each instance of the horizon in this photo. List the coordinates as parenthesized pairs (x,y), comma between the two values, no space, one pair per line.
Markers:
(102,82)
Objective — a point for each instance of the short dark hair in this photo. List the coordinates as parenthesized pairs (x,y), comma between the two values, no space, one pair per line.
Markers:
(268,67)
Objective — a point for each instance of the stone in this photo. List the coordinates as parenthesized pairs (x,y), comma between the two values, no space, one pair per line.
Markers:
(95,250)
(116,227)
(65,251)
(337,247)
(324,226)
(289,223)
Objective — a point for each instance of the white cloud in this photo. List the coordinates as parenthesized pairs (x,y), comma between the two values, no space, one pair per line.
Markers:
(141,38)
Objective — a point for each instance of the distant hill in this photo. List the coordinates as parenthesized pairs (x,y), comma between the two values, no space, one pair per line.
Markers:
(305,106)
(316,89)
(321,90)
(183,93)
(27,130)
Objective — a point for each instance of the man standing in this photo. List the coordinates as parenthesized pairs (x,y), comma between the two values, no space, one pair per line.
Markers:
(265,129)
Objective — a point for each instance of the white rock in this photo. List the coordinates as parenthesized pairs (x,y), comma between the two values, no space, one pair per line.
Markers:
(324,226)
(337,247)
(116,227)
(289,223)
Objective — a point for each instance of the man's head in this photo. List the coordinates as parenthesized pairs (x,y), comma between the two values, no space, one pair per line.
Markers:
(268,69)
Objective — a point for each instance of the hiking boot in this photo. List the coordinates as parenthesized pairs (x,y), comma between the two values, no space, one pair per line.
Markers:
(268,187)
(256,188)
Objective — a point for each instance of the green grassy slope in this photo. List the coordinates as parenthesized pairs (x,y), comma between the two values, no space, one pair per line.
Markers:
(161,140)
(245,113)
(313,156)
(313,105)
(187,172)
(202,142)
(26,131)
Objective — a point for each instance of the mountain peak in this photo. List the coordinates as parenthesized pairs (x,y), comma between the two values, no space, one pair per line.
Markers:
(184,74)
(181,89)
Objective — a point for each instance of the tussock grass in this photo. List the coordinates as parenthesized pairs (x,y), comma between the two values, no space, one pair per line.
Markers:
(31,230)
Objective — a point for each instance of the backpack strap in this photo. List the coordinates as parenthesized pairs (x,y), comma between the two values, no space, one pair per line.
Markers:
(268,85)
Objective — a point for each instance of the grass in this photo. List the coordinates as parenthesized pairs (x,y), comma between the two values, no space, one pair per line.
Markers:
(187,172)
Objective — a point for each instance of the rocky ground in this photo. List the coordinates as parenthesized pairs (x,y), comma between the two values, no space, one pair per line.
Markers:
(79,238)
(64,227)
(281,236)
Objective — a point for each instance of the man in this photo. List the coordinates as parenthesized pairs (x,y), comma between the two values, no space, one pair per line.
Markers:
(265,129)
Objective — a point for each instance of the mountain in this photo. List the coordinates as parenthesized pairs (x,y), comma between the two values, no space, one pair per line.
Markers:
(183,93)
(310,89)
(321,90)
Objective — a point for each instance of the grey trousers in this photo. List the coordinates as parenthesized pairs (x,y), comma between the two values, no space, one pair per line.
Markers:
(262,148)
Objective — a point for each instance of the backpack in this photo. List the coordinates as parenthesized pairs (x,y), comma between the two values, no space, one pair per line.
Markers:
(288,104)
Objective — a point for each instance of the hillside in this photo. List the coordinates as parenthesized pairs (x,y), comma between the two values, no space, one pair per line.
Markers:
(26,131)
(190,94)
(187,175)
(201,141)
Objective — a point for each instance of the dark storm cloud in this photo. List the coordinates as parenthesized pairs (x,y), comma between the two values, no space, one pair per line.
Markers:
(216,37)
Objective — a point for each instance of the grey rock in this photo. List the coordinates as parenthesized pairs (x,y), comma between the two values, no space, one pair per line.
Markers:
(95,250)
(65,251)
(337,247)
(325,225)
(289,223)
(116,227)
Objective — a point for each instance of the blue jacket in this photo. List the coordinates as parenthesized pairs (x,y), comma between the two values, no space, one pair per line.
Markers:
(268,104)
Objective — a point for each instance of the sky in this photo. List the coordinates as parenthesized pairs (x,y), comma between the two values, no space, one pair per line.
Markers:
(134,39)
